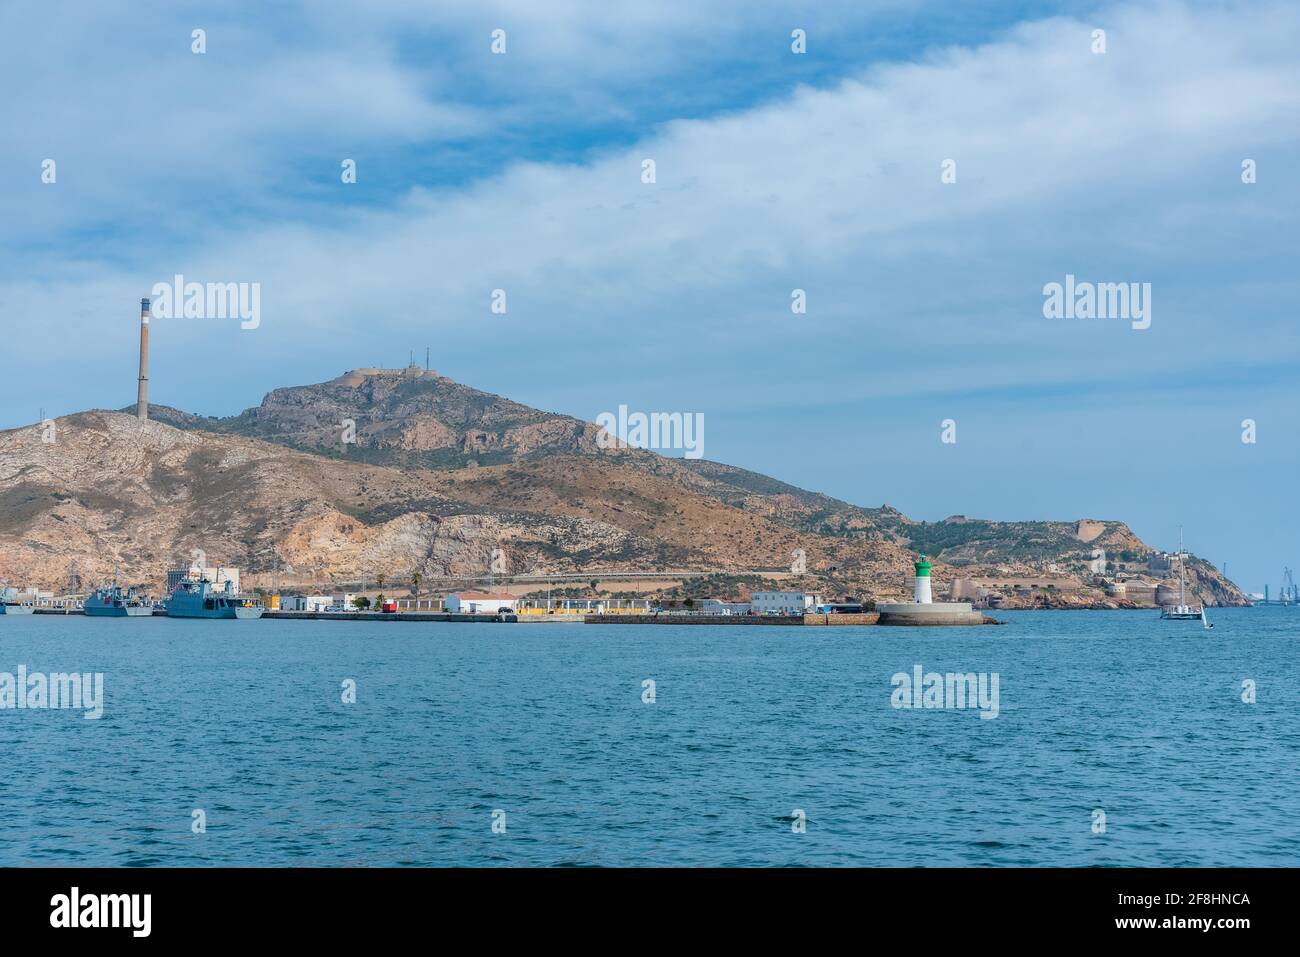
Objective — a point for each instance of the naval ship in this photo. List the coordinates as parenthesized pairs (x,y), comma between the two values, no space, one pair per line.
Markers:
(12,603)
(202,599)
(115,602)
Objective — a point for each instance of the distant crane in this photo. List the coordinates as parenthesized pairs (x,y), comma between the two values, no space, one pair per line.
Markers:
(1288,594)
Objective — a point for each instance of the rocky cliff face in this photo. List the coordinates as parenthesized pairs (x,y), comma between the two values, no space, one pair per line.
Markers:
(112,491)
(440,476)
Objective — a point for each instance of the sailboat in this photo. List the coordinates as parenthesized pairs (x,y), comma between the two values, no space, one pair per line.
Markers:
(1183,611)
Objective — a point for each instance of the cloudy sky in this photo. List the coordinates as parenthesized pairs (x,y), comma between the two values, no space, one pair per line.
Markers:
(774,171)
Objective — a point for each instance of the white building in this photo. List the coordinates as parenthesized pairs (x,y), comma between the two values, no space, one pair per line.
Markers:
(217,574)
(306,602)
(477,603)
(782,602)
(716,606)
(27,594)
(342,601)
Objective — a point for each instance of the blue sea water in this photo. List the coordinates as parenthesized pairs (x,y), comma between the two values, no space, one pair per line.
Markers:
(1114,711)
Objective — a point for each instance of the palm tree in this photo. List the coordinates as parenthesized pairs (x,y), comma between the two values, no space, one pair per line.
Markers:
(415,583)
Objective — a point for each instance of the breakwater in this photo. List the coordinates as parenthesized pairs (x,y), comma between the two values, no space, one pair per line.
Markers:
(860,618)
(345,615)
(382,616)
(866,618)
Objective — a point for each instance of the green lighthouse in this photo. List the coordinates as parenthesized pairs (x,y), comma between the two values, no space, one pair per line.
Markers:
(922,566)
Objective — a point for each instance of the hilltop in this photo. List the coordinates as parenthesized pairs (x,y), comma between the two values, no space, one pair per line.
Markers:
(441,474)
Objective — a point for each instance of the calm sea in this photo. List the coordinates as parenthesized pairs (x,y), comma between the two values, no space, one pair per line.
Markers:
(543,729)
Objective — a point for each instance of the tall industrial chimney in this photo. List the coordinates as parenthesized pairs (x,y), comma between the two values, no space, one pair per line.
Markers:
(142,396)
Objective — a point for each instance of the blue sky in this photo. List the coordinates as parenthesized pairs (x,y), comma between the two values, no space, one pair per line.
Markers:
(775,171)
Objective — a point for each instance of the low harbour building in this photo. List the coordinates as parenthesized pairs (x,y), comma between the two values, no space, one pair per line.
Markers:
(716,606)
(306,602)
(782,602)
(478,603)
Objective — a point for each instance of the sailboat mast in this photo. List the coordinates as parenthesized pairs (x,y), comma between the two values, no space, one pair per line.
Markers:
(1182,569)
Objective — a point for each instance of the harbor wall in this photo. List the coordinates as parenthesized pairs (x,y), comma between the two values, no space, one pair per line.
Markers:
(863,618)
(811,620)
(694,619)
(866,618)
(374,616)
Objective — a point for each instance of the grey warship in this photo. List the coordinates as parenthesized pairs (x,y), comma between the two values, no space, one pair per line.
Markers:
(114,601)
(202,599)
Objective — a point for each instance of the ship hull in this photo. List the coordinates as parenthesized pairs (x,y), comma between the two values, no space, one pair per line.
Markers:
(17,610)
(117,611)
(191,610)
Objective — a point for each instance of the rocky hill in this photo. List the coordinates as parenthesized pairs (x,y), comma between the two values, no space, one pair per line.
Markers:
(411,418)
(434,476)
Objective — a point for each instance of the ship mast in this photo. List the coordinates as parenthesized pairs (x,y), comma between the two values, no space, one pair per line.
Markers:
(1182,569)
